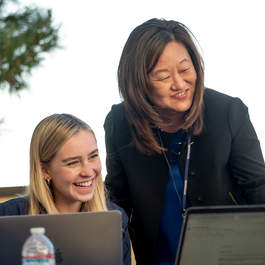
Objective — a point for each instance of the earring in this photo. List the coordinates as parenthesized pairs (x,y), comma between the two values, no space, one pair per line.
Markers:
(48,181)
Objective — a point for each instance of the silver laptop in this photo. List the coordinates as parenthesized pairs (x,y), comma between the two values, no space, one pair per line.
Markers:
(93,238)
(232,235)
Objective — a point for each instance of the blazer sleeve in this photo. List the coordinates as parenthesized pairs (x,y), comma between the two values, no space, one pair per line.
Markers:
(116,180)
(246,160)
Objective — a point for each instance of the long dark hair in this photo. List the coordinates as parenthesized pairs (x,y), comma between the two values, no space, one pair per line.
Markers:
(140,55)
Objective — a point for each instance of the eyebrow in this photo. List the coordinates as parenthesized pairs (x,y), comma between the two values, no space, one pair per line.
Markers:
(184,60)
(159,71)
(165,70)
(78,157)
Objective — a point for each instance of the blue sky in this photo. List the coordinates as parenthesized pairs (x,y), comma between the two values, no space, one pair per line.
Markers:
(81,78)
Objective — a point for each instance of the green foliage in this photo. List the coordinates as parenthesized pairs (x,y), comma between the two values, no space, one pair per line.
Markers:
(25,35)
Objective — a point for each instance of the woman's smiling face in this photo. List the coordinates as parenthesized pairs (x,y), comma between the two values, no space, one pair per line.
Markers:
(74,171)
(173,79)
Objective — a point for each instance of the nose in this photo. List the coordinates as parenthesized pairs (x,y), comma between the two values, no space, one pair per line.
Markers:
(177,82)
(87,170)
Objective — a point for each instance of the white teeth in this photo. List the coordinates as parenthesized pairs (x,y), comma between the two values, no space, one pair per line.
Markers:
(180,94)
(84,184)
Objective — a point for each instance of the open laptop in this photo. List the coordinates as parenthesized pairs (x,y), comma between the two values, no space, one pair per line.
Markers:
(230,235)
(93,238)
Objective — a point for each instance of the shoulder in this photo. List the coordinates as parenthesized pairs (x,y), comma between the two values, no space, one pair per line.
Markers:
(219,107)
(218,101)
(113,206)
(117,129)
(17,206)
(116,114)
(125,232)
(117,109)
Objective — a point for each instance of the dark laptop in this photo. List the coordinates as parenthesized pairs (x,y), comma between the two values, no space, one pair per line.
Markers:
(231,235)
(93,238)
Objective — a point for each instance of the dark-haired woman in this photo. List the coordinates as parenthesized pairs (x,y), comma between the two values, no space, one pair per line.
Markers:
(172,143)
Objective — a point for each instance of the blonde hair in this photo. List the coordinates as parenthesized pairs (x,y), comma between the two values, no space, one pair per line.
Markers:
(48,137)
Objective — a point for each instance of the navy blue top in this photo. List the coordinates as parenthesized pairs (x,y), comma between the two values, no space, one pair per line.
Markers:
(171,220)
(20,206)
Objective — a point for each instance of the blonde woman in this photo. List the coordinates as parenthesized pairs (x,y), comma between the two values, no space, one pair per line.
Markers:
(65,173)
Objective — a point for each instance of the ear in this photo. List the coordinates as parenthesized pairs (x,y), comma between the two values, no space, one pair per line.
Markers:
(45,172)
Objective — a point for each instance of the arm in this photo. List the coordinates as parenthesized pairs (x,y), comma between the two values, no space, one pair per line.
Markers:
(246,160)
(115,181)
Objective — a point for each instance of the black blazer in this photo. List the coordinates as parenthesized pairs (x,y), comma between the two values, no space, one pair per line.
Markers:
(226,167)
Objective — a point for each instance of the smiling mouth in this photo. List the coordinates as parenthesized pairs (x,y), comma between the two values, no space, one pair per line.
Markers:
(181,93)
(84,183)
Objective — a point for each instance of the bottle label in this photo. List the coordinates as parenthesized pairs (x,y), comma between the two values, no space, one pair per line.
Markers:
(47,259)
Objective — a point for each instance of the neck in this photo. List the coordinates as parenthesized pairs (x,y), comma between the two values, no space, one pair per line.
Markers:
(171,121)
(63,207)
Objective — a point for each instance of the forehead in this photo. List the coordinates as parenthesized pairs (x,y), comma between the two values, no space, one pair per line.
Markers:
(83,141)
(173,51)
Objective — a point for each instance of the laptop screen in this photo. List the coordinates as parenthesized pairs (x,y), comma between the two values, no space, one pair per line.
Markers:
(93,238)
(223,236)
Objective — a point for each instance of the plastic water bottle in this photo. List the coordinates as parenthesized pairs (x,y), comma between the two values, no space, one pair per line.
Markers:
(38,249)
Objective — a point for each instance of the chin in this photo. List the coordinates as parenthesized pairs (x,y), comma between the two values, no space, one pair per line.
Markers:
(86,198)
(183,108)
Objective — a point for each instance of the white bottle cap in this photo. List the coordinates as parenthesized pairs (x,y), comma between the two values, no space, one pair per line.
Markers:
(37,230)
